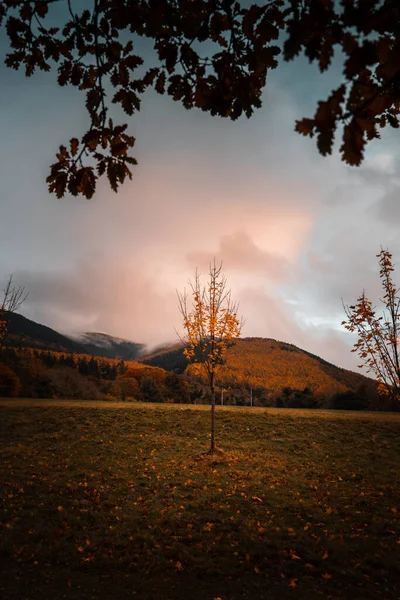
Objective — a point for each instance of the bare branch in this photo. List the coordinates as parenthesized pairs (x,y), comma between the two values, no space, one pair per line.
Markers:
(13,298)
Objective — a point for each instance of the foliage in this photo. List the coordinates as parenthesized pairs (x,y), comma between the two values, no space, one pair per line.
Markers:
(125,388)
(348,401)
(211,325)
(281,374)
(100,501)
(379,333)
(210,55)
(178,388)
(169,358)
(9,382)
(276,372)
(66,382)
(43,373)
(150,390)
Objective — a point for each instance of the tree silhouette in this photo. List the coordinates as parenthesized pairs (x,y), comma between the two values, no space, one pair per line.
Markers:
(213,55)
(13,298)
(211,325)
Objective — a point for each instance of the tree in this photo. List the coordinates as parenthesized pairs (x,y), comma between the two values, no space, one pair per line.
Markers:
(67,382)
(151,390)
(10,384)
(13,298)
(378,333)
(94,50)
(211,325)
(125,388)
(348,400)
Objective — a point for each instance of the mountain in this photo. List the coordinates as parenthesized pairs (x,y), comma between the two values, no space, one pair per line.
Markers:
(274,373)
(102,344)
(23,332)
(170,358)
(273,369)
(28,334)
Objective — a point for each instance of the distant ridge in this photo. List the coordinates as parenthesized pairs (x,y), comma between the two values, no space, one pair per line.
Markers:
(25,333)
(102,344)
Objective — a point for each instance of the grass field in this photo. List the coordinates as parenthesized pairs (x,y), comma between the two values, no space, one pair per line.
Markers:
(119,501)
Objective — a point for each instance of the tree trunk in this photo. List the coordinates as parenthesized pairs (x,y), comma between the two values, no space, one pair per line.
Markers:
(212,388)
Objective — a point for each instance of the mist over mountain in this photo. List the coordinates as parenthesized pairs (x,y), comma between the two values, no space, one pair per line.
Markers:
(102,344)
(25,333)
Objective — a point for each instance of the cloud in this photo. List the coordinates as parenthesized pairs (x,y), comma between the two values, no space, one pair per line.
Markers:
(239,253)
(99,295)
(297,232)
(270,315)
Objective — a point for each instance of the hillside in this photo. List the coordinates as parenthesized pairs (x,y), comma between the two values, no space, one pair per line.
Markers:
(274,369)
(261,371)
(23,332)
(38,373)
(170,358)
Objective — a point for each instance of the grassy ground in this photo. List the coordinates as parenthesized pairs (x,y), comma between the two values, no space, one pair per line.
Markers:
(106,501)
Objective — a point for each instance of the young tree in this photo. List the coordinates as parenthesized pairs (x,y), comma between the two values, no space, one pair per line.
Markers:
(13,297)
(211,324)
(210,55)
(378,332)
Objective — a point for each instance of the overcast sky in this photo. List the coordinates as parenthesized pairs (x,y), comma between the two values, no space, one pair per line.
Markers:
(296,232)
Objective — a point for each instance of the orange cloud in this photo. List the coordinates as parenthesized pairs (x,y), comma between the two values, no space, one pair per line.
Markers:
(239,252)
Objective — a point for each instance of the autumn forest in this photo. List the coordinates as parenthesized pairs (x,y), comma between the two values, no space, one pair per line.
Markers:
(258,371)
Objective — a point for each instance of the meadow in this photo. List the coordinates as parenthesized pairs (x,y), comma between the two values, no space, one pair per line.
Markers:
(115,500)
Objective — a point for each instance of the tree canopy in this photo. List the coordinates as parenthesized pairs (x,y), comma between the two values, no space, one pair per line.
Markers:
(210,54)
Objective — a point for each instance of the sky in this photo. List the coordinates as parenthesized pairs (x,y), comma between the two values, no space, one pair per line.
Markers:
(296,232)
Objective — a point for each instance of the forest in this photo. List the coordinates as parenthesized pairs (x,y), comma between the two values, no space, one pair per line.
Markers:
(258,372)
